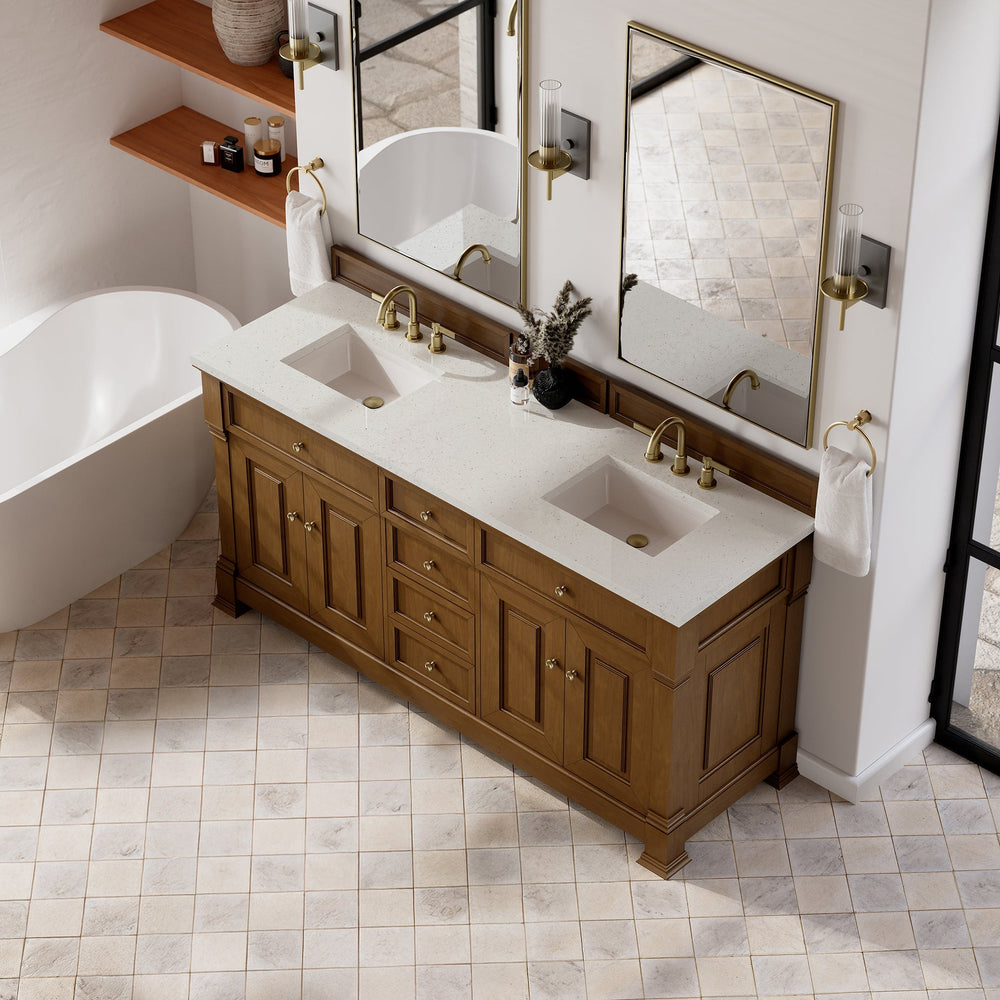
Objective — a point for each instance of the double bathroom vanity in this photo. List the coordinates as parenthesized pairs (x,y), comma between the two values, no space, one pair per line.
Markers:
(470,556)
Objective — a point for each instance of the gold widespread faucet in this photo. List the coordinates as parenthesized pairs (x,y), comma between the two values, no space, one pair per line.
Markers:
(387,312)
(735,381)
(680,466)
(467,253)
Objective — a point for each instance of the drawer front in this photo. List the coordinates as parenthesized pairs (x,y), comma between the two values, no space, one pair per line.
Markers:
(428,613)
(564,587)
(354,473)
(432,562)
(425,511)
(432,668)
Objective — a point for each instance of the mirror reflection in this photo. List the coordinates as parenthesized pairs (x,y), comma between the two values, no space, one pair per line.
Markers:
(725,211)
(437,126)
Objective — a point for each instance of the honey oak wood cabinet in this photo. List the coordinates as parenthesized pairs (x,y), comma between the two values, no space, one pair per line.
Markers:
(655,727)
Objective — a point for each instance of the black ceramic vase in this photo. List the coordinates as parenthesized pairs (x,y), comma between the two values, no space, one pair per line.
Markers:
(553,388)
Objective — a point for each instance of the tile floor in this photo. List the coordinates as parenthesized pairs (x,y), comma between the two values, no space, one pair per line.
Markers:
(195,807)
(725,199)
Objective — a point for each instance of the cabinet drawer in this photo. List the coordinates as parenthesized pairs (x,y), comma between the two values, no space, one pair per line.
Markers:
(425,511)
(564,587)
(426,612)
(433,562)
(432,668)
(310,449)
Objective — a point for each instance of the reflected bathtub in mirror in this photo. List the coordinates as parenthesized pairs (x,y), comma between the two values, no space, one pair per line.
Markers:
(725,214)
(438,113)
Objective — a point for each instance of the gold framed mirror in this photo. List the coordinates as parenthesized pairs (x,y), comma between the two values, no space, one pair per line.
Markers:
(726,207)
(438,114)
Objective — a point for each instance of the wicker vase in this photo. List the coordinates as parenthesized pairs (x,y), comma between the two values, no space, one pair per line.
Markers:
(246,28)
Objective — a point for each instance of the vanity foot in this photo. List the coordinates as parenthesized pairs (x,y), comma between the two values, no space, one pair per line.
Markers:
(663,869)
(787,770)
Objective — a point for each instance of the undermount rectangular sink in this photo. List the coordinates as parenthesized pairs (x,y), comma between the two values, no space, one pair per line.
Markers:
(626,504)
(348,364)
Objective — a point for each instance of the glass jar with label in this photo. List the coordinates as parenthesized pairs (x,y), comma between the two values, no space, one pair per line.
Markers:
(276,130)
(267,157)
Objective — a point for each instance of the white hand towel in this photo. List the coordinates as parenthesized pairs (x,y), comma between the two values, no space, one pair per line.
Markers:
(309,241)
(844,513)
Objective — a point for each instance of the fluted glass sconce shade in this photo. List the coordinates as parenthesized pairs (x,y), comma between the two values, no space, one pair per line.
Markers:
(844,285)
(552,155)
(301,50)
(847,259)
(550,122)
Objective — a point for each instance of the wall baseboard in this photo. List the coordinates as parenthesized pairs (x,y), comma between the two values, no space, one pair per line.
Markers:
(853,787)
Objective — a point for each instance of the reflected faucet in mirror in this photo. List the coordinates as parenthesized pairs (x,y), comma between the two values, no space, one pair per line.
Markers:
(387,312)
(735,381)
(653,453)
(467,253)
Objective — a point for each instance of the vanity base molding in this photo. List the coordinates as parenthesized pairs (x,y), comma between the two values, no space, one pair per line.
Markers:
(653,727)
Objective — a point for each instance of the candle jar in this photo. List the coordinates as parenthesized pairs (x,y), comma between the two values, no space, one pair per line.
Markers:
(267,158)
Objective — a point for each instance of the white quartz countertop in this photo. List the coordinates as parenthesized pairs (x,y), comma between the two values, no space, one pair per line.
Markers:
(459,437)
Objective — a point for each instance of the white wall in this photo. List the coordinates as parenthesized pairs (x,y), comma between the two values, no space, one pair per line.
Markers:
(869,644)
(76,213)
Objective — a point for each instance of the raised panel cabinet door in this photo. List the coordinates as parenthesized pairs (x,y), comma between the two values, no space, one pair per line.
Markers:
(608,712)
(267,510)
(343,542)
(521,668)
(737,680)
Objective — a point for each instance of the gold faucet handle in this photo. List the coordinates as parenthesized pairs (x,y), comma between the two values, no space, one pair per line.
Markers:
(707,480)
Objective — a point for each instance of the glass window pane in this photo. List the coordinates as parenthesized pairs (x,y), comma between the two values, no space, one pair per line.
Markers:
(427,82)
(986,525)
(976,699)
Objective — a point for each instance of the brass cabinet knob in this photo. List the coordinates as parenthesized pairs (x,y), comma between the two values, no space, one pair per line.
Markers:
(561,591)
(292,515)
(571,675)
(426,515)
(428,616)
(309,525)
(298,446)
(428,564)
(552,664)
(429,666)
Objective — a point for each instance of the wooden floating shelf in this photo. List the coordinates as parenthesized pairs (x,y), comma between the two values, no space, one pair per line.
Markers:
(181,32)
(173,141)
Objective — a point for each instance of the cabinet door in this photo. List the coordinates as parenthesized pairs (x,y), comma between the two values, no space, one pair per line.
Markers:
(345,565)
(608,702)
(267,509)
(736,690)
(521,668)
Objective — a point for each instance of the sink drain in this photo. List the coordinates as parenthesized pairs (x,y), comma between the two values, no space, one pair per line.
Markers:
(637,541)
(373,402)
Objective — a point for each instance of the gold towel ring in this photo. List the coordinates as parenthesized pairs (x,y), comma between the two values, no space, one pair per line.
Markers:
(308,169)
(863,417)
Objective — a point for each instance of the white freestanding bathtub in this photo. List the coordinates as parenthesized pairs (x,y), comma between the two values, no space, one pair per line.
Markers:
(104,456)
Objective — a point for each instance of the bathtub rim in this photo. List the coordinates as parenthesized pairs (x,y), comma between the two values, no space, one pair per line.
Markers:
(13,333)
(48,313)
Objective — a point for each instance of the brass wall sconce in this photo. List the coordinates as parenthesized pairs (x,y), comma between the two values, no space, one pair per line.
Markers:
(861,265)
(312,38)
(564,138)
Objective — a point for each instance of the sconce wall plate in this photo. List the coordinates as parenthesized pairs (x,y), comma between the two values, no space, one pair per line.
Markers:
(323,30)
(875,270)
(576,140)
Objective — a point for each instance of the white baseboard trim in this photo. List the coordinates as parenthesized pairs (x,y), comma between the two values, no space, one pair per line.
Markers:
(853,787)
